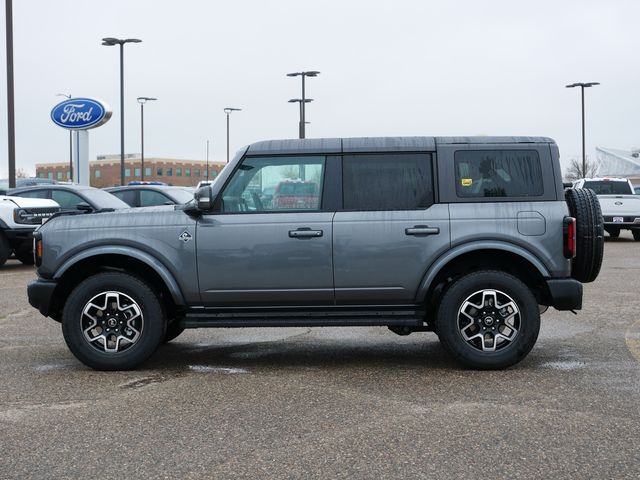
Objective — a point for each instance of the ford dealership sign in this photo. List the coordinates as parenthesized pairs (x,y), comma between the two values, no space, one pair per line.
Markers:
(80,113)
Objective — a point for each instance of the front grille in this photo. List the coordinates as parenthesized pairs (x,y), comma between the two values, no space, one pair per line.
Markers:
(33,216)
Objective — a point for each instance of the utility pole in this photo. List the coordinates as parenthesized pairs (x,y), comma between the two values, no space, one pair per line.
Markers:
(11,126)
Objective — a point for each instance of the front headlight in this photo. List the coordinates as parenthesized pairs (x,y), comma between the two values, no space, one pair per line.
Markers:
(20,215)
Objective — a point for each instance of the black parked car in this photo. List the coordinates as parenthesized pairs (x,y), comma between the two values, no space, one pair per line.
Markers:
(151,195)
(72,197)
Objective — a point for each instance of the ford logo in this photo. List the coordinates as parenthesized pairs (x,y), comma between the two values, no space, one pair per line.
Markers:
(80,113)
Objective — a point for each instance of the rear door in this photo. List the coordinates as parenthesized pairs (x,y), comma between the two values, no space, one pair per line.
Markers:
(390,228)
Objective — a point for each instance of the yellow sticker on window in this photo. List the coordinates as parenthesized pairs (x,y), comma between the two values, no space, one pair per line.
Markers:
(466,182)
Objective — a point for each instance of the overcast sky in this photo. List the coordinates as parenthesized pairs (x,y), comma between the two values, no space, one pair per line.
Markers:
(387,68)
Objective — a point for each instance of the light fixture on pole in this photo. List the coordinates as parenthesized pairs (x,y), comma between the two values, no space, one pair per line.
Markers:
(142,101)
(303,100)
(228,111)
(68,95)
(110,42)
(582,87)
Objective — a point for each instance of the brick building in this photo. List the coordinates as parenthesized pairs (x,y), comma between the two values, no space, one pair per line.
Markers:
(105,171)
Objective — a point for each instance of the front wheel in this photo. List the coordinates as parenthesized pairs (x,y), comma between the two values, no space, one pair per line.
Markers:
(636,235)
(113,321)
(488,320)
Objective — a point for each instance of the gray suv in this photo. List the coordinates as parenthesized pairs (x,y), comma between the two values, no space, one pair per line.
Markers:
(468,237)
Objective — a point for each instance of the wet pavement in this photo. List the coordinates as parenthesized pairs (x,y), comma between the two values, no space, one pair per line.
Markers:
(329,402)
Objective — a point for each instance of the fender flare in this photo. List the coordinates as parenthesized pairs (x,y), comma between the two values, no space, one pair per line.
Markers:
(157,266)
(459,250)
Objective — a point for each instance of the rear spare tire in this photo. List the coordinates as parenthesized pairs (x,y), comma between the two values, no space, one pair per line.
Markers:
(585,208)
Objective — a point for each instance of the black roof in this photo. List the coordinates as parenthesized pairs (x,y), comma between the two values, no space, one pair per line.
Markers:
(377,144)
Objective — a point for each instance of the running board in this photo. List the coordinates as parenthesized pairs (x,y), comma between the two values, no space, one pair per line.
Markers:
(304,318)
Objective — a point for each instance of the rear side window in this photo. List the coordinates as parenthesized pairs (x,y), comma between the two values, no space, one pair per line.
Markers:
(604,187)
(127,196)
(399,181)
(498,173)
(151,198)
(67,200)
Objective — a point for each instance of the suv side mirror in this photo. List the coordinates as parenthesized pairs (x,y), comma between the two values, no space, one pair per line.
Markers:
(84,207)
(204,198)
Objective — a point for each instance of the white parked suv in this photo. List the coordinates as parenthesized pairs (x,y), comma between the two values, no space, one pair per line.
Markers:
(19,217)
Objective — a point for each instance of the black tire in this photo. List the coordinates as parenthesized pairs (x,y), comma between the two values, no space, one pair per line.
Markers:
(585,208)
(636,235)
(137,298)
(5,249)
(470,352)
(173,331)
(613,232)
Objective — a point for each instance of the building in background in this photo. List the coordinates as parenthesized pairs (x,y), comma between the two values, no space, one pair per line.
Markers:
(614,162)
(105,171)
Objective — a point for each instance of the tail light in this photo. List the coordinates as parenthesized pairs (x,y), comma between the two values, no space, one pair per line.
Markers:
(569,232)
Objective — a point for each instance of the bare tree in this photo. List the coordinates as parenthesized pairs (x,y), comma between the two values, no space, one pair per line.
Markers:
(21,173)
(574,171)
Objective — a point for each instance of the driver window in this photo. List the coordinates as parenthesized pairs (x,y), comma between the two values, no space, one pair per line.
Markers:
(275,184)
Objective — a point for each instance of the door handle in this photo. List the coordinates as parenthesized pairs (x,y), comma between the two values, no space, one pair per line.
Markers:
(305,233)
(422,230)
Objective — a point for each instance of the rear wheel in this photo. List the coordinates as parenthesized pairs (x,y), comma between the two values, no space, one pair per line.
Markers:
(585,208)
(488,320)
(113,321)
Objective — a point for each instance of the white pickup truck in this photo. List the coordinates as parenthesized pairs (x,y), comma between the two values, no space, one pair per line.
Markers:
(620,205)
(19,217)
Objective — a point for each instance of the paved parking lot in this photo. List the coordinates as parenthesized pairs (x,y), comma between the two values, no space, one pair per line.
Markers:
(329,403)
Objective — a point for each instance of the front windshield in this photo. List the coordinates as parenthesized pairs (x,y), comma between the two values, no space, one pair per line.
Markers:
(101,199)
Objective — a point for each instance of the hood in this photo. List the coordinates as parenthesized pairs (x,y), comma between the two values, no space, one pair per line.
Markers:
(125,218)
(24,202)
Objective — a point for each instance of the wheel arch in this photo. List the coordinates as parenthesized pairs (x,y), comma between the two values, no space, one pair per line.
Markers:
(134,262)
(476,256)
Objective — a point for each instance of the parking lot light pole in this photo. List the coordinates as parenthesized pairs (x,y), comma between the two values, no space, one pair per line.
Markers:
(110,42)
(228,111)
(68,95)
(11,126)
(303,100)
(142,101)
(582,87)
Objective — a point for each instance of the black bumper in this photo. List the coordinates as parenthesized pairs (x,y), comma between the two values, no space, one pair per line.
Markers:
(565,293)
(40,293)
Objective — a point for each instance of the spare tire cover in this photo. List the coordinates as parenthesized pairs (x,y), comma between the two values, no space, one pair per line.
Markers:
(585,208)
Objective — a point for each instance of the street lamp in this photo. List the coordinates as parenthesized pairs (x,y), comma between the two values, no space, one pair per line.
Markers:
(110,42)
(582,87)
(70,141)
(142,101)
(303,100)
(228,111)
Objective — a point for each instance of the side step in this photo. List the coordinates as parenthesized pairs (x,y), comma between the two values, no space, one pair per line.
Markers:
(297,317)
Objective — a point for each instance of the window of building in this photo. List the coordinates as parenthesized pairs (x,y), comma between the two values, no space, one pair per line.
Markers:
(196,172)
(178,172)
(147,171)
(68,174)
(214,174)
(498,173)
(50,175)
(275,184)
(205,174)
(187,172)
(169,172)
(97,173)
(159,171)
(127,172)
(136,172)
(398,181)
(59,175)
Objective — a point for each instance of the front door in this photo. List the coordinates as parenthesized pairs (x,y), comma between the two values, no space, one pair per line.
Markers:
(269,242)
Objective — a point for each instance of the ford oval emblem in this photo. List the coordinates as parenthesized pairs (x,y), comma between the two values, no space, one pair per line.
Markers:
(80,113)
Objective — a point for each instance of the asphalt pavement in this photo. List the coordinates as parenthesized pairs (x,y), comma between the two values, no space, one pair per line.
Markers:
(355,403)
